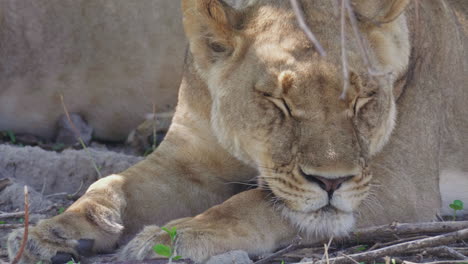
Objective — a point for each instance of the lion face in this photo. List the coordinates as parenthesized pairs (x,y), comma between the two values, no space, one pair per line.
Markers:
(276,105)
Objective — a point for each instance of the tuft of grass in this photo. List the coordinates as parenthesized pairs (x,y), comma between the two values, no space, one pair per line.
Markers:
(11,135)
(168,251)
(457,205)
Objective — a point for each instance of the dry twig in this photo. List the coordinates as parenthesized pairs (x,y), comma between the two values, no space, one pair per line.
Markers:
(404,247)
(149,261)
(26,227)
(385,232)
(11,226)
(77,133)
(344,58)
(21,213)
(444,250)
(439,262)
(290,248)
(303,25)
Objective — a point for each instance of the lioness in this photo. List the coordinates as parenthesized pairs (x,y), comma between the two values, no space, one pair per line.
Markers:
(258,103)
(110,59)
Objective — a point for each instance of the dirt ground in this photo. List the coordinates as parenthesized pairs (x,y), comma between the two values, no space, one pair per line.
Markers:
(55,179)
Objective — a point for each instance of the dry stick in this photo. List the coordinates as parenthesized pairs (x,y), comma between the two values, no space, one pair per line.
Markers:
(154,127)
(79,136)
(327,258)
(70,196)
(370,234)
(439,262)
(21,213)
(444,250)
(344,58)
(348,257)
(404,247)
(10,226)
(11,215)
(363,48)
(303,25)
(26,226)
(386,232)
(149,261)
(326,247)
(381,245)
(290,248)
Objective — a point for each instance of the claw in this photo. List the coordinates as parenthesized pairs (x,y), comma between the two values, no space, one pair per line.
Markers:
(62,258)
(85,247)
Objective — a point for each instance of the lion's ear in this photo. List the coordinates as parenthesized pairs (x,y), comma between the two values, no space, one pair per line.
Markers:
(209,26)
(380,11)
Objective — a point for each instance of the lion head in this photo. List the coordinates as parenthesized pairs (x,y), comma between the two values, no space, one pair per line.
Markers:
(276,102)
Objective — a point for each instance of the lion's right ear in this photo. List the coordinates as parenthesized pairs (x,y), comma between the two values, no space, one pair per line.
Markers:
(209,26)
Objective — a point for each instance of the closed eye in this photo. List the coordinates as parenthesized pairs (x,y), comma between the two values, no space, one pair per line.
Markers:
(281,104)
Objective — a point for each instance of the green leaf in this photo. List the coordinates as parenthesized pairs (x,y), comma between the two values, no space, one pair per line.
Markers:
(61,210)
(172,233)
(162,250)
(177,257)
(361,248)
(2,222)
(12,136)
(58,146)
(282,262)
(457,205)
(21,220)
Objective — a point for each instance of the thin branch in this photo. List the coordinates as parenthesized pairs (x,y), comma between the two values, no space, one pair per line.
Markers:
(290,248)
(149,261)
(77,133)
(404,247)
(11,215)
(26,227)
(21,213)
(362,48)
(344,58)
(11,226)
(383,232)
(444,250)
(72,196)
(303,25)
(350,258)
(439,262)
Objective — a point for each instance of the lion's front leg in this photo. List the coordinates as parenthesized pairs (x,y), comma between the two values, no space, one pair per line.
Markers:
(247,221)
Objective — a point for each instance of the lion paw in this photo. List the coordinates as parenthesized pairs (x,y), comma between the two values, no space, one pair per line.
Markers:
(141,247)
(51,241)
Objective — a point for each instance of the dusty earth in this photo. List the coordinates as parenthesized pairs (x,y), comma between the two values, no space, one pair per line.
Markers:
(55,179)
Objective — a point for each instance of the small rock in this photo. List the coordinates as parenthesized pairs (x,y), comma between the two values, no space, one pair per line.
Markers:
(69,134)
(236,257)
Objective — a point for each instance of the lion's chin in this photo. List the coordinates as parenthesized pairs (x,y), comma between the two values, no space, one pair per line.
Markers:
(321,224)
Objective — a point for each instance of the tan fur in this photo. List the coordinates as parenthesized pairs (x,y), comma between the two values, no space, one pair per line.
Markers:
(111,60)
(258,103)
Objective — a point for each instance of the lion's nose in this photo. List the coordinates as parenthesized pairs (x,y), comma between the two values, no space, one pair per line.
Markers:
(327,184)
